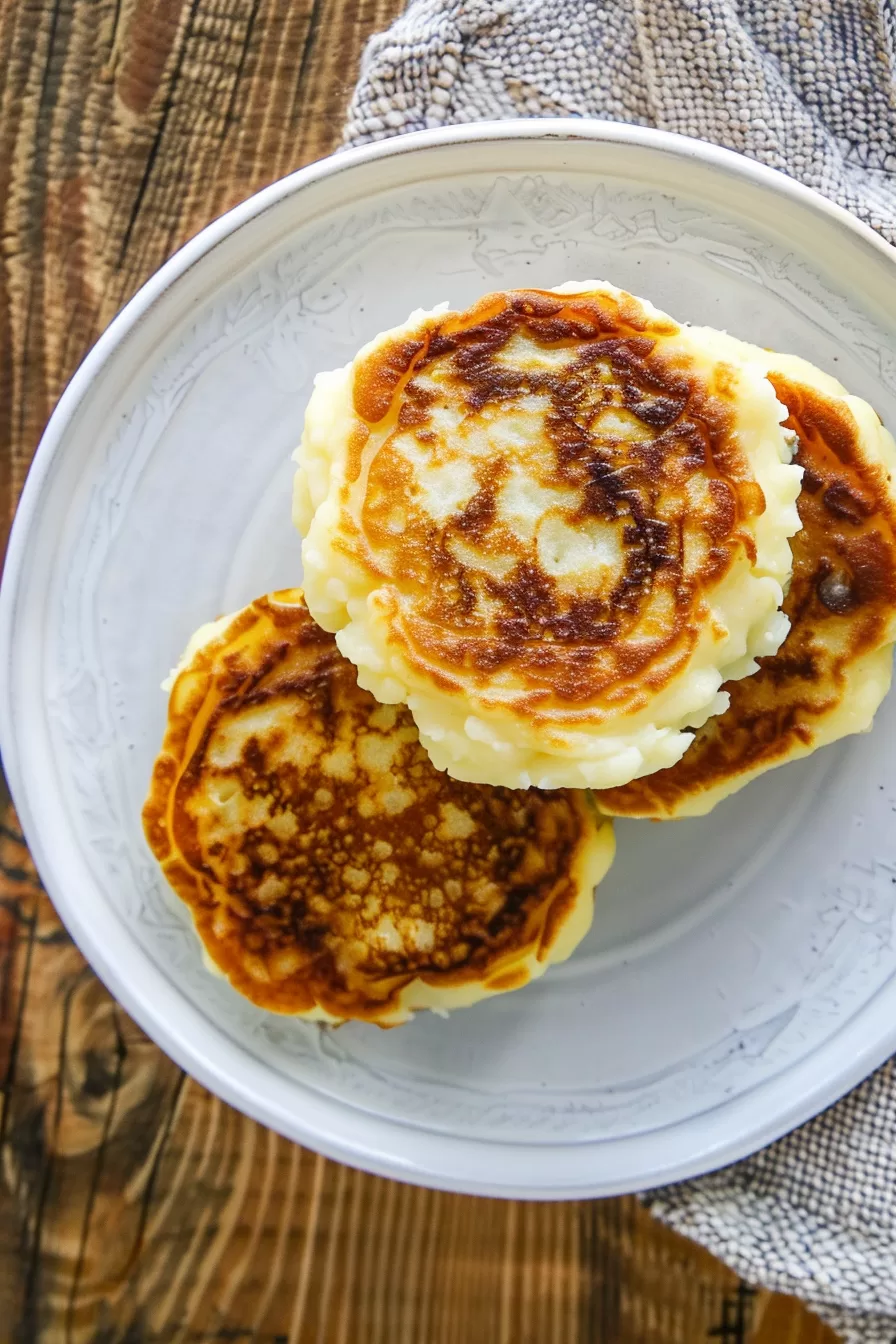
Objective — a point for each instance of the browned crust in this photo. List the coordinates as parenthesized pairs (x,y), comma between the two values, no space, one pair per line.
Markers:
(506,888)
(582,651)
(841,604)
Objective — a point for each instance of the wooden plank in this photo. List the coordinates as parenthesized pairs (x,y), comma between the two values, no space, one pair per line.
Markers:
(135,1206)
(125,127)
(784,1320)
(139,1207)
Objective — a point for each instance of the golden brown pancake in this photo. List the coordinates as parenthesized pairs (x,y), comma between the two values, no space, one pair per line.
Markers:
(331,871)
(552,525)
(828,678)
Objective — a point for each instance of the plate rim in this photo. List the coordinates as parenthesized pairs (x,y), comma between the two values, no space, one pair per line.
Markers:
(236,1089)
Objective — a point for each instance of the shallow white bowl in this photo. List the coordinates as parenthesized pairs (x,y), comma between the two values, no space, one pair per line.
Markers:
(740,973)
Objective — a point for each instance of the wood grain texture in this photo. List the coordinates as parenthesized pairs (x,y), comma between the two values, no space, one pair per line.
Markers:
(135,1206)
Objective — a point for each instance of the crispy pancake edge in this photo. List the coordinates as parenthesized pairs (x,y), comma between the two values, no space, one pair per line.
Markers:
(553,932)
(848,438)
(537,726)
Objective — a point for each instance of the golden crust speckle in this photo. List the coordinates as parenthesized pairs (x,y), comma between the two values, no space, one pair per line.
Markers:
(834,668)
(364,890)
(549,526)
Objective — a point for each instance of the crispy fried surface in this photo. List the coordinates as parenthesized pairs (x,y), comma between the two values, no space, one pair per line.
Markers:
(329,868)
(553,513)
(834,668)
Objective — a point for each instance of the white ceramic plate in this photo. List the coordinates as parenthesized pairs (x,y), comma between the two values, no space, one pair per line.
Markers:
(741,972)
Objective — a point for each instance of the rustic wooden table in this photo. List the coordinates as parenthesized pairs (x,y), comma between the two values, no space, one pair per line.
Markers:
(135,1206)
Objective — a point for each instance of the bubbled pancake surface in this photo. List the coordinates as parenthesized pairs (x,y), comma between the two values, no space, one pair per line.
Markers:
(537,522)
(834,668)
(330,869)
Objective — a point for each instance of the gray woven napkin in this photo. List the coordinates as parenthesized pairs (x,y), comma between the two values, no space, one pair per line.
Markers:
(805,86)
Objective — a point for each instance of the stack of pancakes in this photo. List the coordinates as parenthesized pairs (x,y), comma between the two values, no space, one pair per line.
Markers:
(564,559)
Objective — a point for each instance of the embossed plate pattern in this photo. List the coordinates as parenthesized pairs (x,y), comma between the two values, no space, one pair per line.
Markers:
(740,973)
